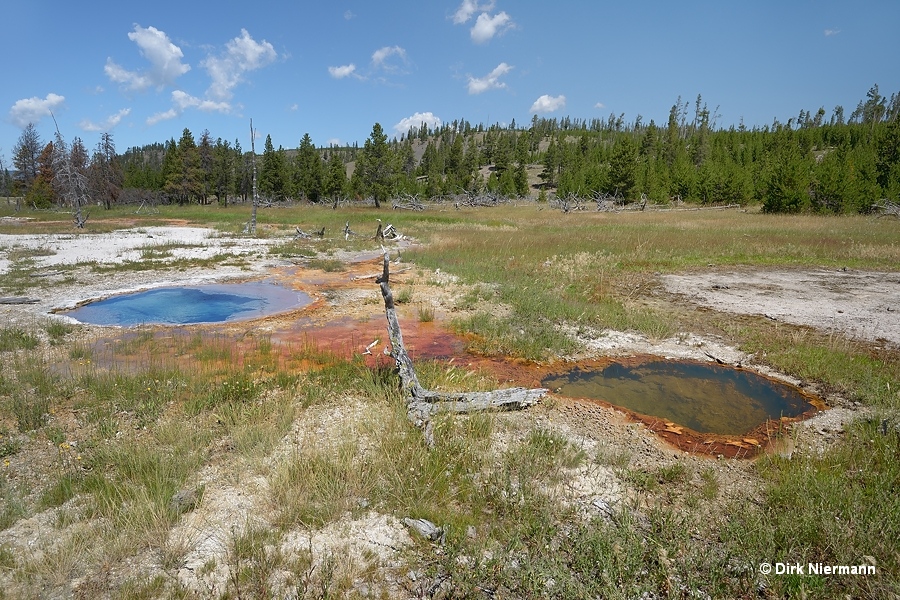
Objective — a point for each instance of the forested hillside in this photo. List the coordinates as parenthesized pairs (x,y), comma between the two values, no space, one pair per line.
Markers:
(815,162)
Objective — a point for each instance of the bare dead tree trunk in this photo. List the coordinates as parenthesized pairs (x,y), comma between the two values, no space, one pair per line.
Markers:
(72,184)
(251,227)
(422,404)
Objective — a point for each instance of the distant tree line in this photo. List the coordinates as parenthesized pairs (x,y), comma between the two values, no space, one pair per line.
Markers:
(814,162)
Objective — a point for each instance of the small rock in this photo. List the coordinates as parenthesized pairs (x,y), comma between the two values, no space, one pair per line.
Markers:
(183,501)
(425,528)
(604,507)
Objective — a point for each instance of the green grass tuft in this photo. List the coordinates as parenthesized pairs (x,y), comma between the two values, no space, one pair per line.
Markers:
(15,338)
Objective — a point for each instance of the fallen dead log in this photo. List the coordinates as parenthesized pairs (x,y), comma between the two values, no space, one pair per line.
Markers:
(422,404)
(18,300)
(695,208)
(887,208)
(375,276)
(300,234)
(407,202)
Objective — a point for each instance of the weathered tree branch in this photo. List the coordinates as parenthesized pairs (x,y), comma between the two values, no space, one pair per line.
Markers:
(422,404)
(18,300)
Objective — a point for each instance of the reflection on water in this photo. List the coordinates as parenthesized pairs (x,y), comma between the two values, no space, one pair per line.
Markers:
(191,304)
(705,397)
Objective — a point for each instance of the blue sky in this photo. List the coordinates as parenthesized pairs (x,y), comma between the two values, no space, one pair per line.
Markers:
(144,71)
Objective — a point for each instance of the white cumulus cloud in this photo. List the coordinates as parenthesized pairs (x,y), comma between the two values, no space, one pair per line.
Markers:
(242,55)
(486,26)
(162,116)
(547,104)
(416,120)
(164,58)
(599,105)
(469,8)
(491,81)
(182,101)
(831,32)
(32,110)
(381,58)
(107,124)
(342,71)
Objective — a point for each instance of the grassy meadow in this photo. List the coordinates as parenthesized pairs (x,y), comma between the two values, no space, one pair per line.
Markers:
(97,454)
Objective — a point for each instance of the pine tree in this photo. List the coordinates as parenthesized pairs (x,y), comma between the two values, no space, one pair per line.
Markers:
(26,155)
(887,159)
(785,184)
(41,193)
(223,171)
(376,166)
(205,175)
(184,175)
(549,175)
(273,174)
(309,170)
(336,179)
(622,171)
(502,155)
(520,177)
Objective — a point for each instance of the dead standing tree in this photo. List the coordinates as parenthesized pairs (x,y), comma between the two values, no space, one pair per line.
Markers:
(422,404)
(70,182)
(251,226)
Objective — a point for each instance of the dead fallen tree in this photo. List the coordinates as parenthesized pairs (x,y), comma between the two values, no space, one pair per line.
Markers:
(407,202)
(569,203)
(388,232)
(693,208)
(472,199)
(18,300)
(607,202)
(300,234)
(887,208)
(422,404)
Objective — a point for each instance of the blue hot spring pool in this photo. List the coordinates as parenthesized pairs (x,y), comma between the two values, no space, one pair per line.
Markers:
(184,305)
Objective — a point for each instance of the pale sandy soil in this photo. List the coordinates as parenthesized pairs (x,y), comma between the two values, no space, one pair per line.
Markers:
(858,304)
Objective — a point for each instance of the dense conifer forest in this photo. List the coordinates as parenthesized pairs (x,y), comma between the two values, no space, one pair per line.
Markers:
(815,162)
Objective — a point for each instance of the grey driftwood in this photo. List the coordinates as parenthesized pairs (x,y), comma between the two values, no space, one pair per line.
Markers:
(422,404)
